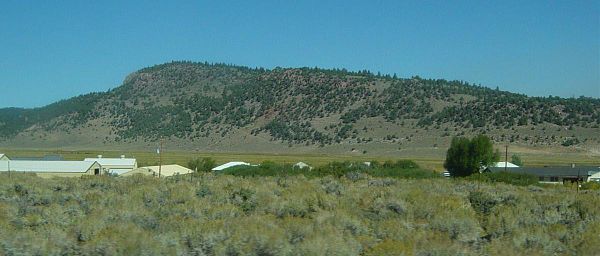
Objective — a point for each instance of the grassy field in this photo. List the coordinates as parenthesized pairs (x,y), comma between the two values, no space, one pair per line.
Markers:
(428,161)
(182,157)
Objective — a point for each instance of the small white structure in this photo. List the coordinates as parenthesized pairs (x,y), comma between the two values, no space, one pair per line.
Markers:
(3,157)
(164,170)
(302,165)
(595,176)
(115,165)
(229,165)
(52,168)
(505,164)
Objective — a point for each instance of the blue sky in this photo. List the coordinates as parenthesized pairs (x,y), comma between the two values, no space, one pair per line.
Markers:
(51,50)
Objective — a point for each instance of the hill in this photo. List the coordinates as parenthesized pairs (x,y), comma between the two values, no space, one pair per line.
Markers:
(232,108)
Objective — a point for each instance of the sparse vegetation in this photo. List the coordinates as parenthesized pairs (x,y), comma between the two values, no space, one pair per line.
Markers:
(516,159)
(519,179)
(352,170)
(570,142)
(292,215)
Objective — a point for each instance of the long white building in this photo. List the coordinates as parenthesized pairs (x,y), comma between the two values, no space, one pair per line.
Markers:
(47,169)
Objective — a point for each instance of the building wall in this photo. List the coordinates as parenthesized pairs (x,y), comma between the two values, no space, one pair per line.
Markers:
(48,175)
(595,177)
(90,171)
(141,171)
(108,168)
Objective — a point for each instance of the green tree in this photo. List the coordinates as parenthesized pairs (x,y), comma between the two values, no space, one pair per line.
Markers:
(457,157)
(466,157)
(482,152)
(516,159)
(201,164)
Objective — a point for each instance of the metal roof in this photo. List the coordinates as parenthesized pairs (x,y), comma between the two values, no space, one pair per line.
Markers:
(228,165)
(508,165)
(549,171)
(39,158)
(165,170)
(113,161)
(46,166)
(302,165)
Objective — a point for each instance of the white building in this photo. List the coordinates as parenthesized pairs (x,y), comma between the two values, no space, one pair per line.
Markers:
(164,171)
(229,165)
(47,169)
(594,176)
(302,165)
(505,164)
(115,165)
(3,157)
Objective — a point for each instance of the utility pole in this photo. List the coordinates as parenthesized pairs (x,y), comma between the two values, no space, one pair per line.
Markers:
(578,174)
(160,149)
(506,158)
(192,174)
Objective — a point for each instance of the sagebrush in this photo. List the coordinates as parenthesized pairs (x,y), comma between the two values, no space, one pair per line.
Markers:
(293,215)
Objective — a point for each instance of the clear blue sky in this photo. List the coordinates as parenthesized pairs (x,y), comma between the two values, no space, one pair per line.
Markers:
(51,50)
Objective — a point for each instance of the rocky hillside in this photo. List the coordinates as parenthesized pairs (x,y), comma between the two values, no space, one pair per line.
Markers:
(201,105)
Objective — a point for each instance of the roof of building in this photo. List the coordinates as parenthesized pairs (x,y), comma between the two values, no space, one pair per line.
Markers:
(502,164)
(113,161)
(228,165)
(140,170)
(46,166)
(301,164)
(550,171)
(39,158)
(165,170)
(2,156)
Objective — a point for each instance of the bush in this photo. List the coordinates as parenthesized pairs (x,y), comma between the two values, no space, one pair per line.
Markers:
(201,164)
(592,185)
(519,179)
(482,202)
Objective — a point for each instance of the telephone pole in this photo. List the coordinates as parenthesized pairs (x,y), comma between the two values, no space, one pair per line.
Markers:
(192,174)
(506,158)
(160,149)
